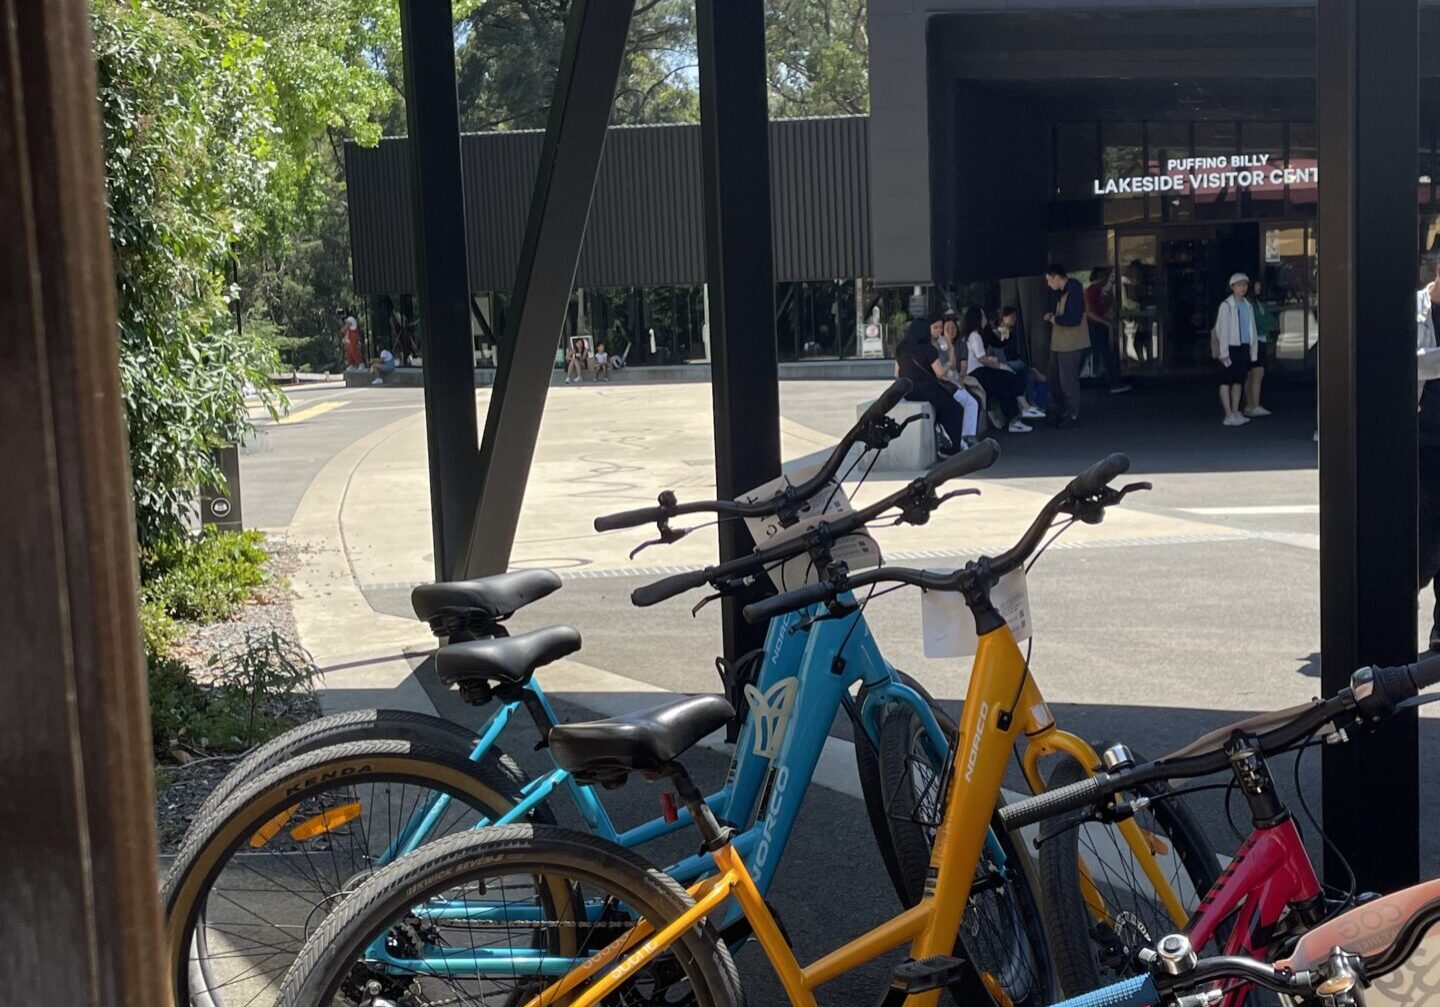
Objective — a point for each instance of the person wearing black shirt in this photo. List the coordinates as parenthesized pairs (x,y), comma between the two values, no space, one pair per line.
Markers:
(917,359)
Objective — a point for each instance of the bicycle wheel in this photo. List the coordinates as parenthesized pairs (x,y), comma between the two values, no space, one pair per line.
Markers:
(259,874)
(532,900)
(1095,947)
(872,784)
(336,729)
(1002,937)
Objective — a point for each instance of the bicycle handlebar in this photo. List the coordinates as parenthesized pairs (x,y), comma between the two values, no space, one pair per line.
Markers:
(1083,489)
(1374,694)
(919,493)
(789,496)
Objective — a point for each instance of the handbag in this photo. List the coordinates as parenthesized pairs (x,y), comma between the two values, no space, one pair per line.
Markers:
(1067,338)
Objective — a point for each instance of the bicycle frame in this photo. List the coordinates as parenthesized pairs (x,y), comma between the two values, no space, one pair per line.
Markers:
(775,758)
(989,728)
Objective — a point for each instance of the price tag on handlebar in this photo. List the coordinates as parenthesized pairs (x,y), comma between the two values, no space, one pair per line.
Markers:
(857,551)
(949,627)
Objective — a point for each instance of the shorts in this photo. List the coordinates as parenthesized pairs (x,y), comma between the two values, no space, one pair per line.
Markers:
(387,368)
(1240,364)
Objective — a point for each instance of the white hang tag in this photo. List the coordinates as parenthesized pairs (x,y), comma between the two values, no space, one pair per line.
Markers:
(949,626)
(830,502)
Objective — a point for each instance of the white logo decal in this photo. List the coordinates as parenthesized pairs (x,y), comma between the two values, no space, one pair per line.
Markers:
(770,713)
(777,793)
(975,745)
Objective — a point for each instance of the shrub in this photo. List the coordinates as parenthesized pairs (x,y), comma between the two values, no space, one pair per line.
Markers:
(204,578)
(248,694)
(157,631)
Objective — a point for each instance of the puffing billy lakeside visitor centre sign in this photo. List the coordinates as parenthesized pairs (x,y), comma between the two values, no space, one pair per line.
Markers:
(1201,175)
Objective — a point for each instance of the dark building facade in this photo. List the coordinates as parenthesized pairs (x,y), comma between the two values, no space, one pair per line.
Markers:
(1170,142)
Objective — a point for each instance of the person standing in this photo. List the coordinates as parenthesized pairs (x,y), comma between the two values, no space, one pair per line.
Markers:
(1266,325)
(1428,453)
(1098,305)
(1236,344)
(956,410)
(1069,339)
(350,334)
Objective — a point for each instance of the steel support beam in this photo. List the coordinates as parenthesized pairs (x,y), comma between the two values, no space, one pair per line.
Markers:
(442,281)
(594,49)
(739,268)
(1367,115)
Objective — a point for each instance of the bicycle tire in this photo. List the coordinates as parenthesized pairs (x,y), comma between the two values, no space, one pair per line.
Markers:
(336,729)
(328,958)
(872,783)
(1074,940)
(1003,939)
(489,787)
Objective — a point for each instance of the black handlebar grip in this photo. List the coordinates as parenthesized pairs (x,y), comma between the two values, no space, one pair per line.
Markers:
(1083,794)
(1427,672)
(630,518)
(649,594)
(1099,475)
(974,459)
(768,608)
(887,401)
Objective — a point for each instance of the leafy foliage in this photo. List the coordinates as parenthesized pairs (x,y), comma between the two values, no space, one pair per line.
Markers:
(212,117)
(248,695)
(204,578)
(817,51)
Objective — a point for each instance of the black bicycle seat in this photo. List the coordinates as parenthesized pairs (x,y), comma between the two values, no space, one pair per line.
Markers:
(492,598)
(506,660)
(606,751)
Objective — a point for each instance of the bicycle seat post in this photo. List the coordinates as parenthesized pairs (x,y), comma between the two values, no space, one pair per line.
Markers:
(713,835)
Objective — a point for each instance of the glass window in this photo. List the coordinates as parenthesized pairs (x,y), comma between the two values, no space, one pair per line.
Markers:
(1284,290)
(1138,301)
(1302,166)
(1170,141)
(1123,157)
(1217,195)
(1425,185)
(1264,140)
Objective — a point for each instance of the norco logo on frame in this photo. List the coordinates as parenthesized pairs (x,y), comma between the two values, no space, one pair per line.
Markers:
(975,745)
(772,808)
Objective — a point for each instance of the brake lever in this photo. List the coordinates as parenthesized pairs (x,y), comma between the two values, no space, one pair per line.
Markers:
(703,602)
(972,492)
(1126,490)
(668,536)
(833,610)
(1417,701)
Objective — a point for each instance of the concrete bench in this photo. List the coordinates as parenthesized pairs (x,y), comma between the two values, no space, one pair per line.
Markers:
(913,450)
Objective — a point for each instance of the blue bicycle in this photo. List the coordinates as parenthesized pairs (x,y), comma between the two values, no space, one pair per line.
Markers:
(311,814)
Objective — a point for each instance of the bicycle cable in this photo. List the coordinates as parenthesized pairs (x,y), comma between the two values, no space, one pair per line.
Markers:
(1325,839)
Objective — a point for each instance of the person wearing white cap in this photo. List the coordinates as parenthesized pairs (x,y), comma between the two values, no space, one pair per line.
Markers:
(1235,342)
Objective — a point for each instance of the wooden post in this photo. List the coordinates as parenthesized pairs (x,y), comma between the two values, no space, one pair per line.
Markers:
(77,831)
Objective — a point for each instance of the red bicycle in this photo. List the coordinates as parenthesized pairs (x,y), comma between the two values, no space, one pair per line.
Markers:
(1268,897)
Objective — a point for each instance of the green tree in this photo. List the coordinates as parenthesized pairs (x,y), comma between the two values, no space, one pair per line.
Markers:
(817,51)
(212,117)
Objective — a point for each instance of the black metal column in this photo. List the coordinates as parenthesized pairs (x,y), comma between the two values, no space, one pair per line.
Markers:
(739,267)
(595,34)
(442,282)
(1367,115)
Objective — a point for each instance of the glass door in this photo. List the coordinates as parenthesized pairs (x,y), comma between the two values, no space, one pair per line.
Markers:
(1141,334)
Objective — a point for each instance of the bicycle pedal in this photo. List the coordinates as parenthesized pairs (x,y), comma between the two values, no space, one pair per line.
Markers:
(933,973)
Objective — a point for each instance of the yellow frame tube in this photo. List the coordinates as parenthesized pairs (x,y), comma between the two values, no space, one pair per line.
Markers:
(868,946)
(719,891)
(1053,741)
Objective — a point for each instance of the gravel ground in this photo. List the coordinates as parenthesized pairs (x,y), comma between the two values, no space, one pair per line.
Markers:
(183,784)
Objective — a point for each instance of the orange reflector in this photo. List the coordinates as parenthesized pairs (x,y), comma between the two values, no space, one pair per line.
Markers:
(996,991)
(272,828)
(325,822)
(1158,846)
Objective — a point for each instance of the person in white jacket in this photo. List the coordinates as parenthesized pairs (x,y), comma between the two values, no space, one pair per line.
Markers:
(1427,366)
(1237,347)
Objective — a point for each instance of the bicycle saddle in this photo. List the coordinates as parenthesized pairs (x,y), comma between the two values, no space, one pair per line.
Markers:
(495,598)
(504,660)
(606,751)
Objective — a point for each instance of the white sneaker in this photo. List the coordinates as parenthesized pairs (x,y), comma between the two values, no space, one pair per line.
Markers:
(1254,411)
(378,381)
(1241,419)
(1231,420)
(1031,413)
(1017,427)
